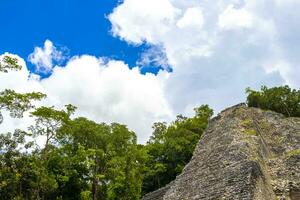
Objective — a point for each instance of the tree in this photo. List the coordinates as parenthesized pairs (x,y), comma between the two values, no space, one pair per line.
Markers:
(171,147)
(22,175)
(125,164)
(15,103)
(48,121)
(111,157)
(8,63)
(281,99)
(9,158)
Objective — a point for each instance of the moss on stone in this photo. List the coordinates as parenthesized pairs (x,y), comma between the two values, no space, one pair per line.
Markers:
(293,153)
(264,125)
(240,111)
(251,132)
(277,140)
(246,122)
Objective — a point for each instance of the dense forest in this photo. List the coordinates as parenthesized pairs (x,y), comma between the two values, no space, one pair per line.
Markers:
(83,159)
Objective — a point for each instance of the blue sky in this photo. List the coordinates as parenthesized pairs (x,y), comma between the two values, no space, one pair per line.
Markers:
(215,49)
(81,26)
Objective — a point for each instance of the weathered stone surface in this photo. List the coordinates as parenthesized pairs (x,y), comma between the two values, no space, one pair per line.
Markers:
(158,194)
(245,153)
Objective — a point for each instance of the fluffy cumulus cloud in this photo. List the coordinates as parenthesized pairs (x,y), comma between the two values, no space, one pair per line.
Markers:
(192,18)
(109,92)
(216,48)
(235,18)
(133,15)
(44,57)
(102,91)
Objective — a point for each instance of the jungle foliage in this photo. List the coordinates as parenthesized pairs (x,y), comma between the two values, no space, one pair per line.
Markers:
(83,159)
(281,99)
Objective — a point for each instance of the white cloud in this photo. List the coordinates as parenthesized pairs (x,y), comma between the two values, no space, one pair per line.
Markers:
(191,18)
(109,92)
(143,20)
(233,45)
(44,57)
(235,18)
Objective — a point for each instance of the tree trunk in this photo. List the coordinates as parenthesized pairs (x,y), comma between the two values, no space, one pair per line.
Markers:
(95,181)
(94,189)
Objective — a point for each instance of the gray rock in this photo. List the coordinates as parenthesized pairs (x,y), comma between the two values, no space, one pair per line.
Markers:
(245,153)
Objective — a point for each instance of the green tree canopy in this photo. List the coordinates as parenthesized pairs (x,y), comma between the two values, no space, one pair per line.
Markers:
(15,103)
(281,99)
(112,158)
(171,147)
(8,63)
